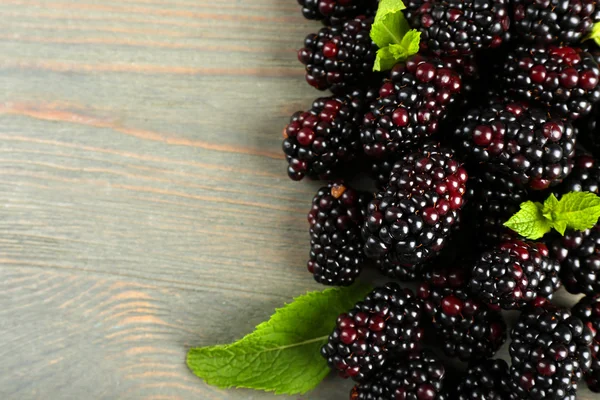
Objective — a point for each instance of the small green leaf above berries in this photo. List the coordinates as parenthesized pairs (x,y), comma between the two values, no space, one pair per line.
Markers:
(282,355)
(595,34)
(575,210)
(392,34)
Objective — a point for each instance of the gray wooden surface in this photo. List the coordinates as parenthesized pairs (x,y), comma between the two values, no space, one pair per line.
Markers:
(144,206)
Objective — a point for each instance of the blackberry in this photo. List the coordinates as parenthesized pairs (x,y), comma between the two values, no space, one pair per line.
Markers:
(584,178)
(336,12)
(588,309)
(339,57)
(553,21)
(514,274)
(415,376)
(549,353)
(319,142)
(411,220)
(454,27)
(466,327)
(590,131)
(335,219)
(485,380)
(520,142)
(383,325)
(564,79)
(392,268)
(410,107)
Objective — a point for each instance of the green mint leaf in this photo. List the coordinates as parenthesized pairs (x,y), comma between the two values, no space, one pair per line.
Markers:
(411,42)
(390,25)
(549,207)
(385,60)
(387,7)
(529,222)
(595,34)
(577,210)
(283,354)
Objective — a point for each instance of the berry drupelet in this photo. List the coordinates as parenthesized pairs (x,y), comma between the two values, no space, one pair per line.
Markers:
(410,107)
(454,27)
(520,142)
(383,325)
(579,252)
(515,274)
(335,220)
(549,353)
(588,309)
(411,220)
(336,12)
(414,376)
(340,57)
(319,142)
(484,380)
(466,327)
(564,79)
(553,21)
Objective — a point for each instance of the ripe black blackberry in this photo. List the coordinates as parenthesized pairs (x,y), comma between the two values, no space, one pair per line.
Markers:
(515,274)
(411,220)
(410,107)
(415,376)
(549,353)
(564,79)
(588,309)
(340,57)
(466,327)
(454,27)
(520,142)
(335,219)
(336,12)
(553,21)
(383,325)
(319,142)
(392,268)
(579,252)
(484,380)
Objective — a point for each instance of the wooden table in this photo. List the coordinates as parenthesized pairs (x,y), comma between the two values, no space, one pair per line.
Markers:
(144,204)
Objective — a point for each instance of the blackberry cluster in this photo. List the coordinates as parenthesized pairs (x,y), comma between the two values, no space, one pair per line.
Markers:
(415,376)
(410,107)
(336,12)
(383,325)
(484,380)
(515,274)
(411,220)
(549,353)
(588,310)
(341,57)
(467,328)
(335,220)
(554,21)
(584,178)
(319,142)
(523,143)
(564,79)
(454,27)
(389,266)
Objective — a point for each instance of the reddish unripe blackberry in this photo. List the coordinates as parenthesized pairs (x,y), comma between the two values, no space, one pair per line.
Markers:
(319,142)
(336,12)
(484,380)
(339,57)
(454,27)
(383,325)
(515,274)
(564,79)
(414,376)
(553,21)
(466,327)
(335,220)
(410,107)
(520,142)
(588,309)
(411,220)
(549,353)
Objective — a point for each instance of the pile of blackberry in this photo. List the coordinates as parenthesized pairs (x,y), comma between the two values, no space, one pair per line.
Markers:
(499,107)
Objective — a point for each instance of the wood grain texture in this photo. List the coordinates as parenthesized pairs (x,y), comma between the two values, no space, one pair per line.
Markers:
(144,205)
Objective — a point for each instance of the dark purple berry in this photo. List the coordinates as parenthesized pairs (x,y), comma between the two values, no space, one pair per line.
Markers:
(336,12)
(484,380)
(588,309)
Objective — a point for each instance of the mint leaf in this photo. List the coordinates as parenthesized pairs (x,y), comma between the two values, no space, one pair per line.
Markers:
(390,25)
(283,354)
(411,42)
(577,210)
(595,34)
(529,222)
(387,7)
(385,60)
